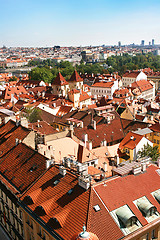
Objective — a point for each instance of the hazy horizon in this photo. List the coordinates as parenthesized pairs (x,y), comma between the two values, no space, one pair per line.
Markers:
(78,23)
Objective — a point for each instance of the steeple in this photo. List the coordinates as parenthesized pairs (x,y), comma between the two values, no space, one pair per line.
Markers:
(60,80)
(85,235)
(75,77)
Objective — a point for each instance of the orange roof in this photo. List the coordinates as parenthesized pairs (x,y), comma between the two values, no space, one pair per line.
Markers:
(131,74)
(69,210)
(75,77)
(60,80)
(84,96)
(142,85)
(43,128)
(15,91)
(130,141)
(74,91)
(103,84)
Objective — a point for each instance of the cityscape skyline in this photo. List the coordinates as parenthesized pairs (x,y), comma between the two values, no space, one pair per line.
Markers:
(49,23)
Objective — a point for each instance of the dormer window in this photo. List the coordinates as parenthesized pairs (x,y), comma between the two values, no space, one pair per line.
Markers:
(157,195)
(125,219)
(146,207)
(148,210)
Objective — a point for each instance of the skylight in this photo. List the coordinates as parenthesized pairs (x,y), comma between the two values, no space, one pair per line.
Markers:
(70,191)
(97,208)
(56,182)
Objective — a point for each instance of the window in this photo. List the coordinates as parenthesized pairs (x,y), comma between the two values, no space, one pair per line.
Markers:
(44,235)
(127,150)
(154,140)
(157,141)
(40,231)
(153,234)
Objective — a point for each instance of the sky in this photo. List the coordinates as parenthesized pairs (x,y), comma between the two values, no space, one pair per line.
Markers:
(45,23)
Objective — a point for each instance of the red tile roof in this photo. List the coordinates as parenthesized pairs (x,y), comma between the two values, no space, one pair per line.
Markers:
(74,91)
(84,96)
(22,166)
(155,127)
(7,141)
(101,223)
(63,110)
(69,209)
(15,91)
(131,74)
(124,190)
(142,85)
(43,128)
(75,77)
(130,141)
(103,84)
(110,132)
(60,80)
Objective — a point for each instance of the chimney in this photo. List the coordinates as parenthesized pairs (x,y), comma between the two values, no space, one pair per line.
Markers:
(84,182)
(17,141)
(117,159)
(158,162)
(90,145)
(94,124)
(85,138)
(71,130)
(62,170)
(81,124)
(105,166)
(82,168)
(38,123)
(136,169)
(17,122)
(104,143)
(24,122)
(49,162)
(151,118)
(134,113)
(143,167)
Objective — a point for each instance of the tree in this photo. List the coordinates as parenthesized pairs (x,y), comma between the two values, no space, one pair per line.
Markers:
(41,74)
(13,79)
(35,115)
(149,151)
(32,114)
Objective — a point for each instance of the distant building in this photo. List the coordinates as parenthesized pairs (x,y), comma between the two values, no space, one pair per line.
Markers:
(87,56)
(152,42)
(142,43)
(119,44)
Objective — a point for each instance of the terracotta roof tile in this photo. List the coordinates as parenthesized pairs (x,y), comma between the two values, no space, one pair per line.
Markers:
(69,209)
(130,140)
(110,132)
(60,80)
(75,77)
(22,166)
(130,188)
(42,127)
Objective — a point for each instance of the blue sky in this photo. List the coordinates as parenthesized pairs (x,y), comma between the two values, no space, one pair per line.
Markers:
(74,23)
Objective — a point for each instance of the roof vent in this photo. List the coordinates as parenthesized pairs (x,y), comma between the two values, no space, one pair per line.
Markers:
(131,137)
(62,170)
